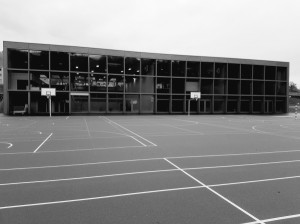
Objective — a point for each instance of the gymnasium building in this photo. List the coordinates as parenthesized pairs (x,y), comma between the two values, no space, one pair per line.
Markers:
(102,81)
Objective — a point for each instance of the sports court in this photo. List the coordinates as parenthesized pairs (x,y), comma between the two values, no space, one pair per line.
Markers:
(150,169)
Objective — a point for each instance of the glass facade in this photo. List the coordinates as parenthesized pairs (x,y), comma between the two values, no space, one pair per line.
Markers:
(107,83)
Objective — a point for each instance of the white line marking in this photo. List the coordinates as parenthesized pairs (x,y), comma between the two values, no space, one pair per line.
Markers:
(87,127)
(101,197)
(8,143)
(215,192)
(42,143)
(135,160)
(72,150)
(130,131)
(88,177)
(277,218)
(67,117)
(137,140)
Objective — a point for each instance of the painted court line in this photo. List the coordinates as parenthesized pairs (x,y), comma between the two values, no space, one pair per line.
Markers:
(7,143)
(87,127)
(215,192)
(97,198)
(130,131)
(138,193)
(42,143)
(150,171)
(277,219)
(147,159)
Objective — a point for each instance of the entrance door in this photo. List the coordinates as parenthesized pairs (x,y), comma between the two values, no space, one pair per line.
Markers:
(205,106)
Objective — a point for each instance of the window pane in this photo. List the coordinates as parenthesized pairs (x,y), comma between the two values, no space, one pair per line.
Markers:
(207,69)
(98,102)
(282,73)
(178,68)
(98,63)
(163,68)
(18,100)
(115,83)
(258,72)
(132,103)
(147,84)
(79,82)
(193,69)
(59,61)
(115,103)
(39,80)
(60,81)
(147,104)
(98,82)
(79,62)
(132,84)
(17,58)
(246,72)
(163,85)
(270,73)
(115,64)
(148,66)
(39,60)
(132,66)
(18,80)
(221,70)
(178,85)
(233,71)
(79,103)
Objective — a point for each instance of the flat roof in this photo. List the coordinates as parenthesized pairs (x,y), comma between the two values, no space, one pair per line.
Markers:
(101,51)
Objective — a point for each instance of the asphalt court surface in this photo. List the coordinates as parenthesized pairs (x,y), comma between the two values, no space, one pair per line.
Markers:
(150,169)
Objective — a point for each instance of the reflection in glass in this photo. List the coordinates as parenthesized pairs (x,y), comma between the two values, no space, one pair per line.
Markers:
(132,66)
(132,103)
(39,80)
(98,63)
(39,60)
(17,99)
(60,81)
(115,83)
(163,103)
(38,104)
(17,58)
(147,104)
(17,80)
(148,66)
(116,64)
(59,61)
(98,82)
(163,85)
(147,84)
(163,68)
(79,82)
(282,73)
(79,62)
(270,73)
(132,84)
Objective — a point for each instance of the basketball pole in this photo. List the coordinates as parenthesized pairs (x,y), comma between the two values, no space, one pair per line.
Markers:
(189,105)
(50,105)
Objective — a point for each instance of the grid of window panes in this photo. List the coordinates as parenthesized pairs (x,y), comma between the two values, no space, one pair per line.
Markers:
(91,83)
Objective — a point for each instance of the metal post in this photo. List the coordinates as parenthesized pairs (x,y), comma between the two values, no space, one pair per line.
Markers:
(50,105)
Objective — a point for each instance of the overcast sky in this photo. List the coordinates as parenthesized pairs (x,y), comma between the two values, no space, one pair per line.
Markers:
(254,29)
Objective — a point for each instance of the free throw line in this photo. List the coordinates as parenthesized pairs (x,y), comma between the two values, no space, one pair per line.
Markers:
(42,143)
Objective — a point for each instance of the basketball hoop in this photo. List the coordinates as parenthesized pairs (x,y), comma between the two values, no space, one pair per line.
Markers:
(196,97)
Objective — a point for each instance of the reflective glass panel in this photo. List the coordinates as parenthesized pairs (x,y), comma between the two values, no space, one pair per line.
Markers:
(59,61)
(79,62)
(98,63)
(17,58)
(39,60)
(79,82)
(60,81)
(132,66)
(116,64)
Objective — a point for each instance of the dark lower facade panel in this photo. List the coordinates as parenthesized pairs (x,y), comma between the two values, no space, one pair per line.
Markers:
(102,81)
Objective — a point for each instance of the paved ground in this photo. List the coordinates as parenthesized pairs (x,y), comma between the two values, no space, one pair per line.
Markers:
(150,169)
